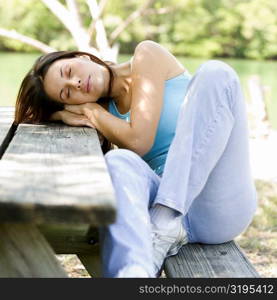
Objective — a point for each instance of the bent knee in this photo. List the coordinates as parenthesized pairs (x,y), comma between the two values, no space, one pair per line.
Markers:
(218,69)
(220,76)
(218,73)
(121,155)
(124,160)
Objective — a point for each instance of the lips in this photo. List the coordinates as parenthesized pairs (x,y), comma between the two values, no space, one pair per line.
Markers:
(88,85)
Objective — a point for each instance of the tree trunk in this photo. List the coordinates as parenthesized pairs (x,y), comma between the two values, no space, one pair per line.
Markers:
(26,40)
(68,14)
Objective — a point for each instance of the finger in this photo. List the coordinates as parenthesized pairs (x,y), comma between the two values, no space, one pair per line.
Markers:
(85,122)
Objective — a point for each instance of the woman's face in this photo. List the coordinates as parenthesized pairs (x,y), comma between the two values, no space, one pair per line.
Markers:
(75,80)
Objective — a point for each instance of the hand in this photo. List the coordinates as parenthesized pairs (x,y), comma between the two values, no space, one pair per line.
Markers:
(73,119)
(87,109)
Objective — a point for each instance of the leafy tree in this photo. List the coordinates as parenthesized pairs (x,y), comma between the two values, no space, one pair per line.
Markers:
(201,28)
(82,19)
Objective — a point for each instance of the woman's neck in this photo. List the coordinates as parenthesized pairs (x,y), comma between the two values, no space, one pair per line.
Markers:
(121,88)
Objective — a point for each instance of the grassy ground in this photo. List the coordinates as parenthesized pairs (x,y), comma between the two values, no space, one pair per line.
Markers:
(73,266)
(259,242)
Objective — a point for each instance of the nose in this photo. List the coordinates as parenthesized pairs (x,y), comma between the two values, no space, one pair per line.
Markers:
(75,83)
(78,84)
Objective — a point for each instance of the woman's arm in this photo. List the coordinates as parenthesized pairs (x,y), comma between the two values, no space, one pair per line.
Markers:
(56,116)
(152,64)
(74,119)
(70,118)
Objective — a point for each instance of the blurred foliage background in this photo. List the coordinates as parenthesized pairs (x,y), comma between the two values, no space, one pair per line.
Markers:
(196,28)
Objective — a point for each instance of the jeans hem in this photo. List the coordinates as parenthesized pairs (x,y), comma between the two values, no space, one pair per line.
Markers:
(168,202)
(187,228)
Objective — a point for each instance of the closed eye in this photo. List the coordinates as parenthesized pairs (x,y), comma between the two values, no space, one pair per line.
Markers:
(69,74)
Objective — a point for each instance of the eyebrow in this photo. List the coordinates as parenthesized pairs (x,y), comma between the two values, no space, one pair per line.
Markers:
(61,71)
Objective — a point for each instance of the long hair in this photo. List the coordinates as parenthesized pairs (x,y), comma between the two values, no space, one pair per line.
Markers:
(33,105)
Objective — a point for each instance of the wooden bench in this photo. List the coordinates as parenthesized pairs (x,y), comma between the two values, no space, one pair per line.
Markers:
(55,192)
(210,261)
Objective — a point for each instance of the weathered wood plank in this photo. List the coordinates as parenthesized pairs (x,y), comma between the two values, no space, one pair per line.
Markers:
(6,120)
(92,263)
(24,252)
(6,128)
(81,240)
(209,261)
(74,239)
(55,174)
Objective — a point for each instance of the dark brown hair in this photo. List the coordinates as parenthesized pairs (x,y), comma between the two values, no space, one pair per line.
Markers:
(32,104)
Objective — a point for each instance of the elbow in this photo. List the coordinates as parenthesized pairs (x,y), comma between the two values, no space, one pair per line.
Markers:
(140,147)
(141,151)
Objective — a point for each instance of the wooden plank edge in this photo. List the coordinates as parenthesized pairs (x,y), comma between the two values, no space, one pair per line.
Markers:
(8,138)
(71,239)
(26,253)
(171,269)
(249,264)
(55,214)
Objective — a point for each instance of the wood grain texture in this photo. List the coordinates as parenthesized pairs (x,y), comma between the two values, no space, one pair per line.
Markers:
(55,173)
(209,261)
(92,263)
(6,129)
(74,239)
(24,252)
(81,240)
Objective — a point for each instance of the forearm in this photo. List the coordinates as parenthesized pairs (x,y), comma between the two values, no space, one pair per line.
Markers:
(116,130)
(56,116)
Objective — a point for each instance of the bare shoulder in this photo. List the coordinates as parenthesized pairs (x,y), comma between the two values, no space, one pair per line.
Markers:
(149,54)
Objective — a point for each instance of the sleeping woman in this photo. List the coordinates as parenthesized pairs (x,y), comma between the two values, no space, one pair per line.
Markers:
(180,171)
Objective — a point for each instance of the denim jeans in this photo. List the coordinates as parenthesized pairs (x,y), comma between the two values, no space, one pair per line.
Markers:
(207,175)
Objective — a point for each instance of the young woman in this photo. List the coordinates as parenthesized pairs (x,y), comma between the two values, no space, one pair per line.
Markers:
(181,172)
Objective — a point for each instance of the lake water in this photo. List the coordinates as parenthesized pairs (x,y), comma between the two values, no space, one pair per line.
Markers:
(13,67)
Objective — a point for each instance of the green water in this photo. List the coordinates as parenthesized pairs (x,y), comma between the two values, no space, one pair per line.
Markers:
(13,67)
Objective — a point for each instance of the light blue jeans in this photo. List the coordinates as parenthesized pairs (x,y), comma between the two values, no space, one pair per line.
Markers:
(207,176)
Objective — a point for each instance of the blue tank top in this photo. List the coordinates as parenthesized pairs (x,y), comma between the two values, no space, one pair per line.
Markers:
(174,93)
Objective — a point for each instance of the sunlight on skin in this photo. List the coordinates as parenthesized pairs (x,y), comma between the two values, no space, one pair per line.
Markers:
(67,81)
(146,88)
(135,143)
(142,107)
